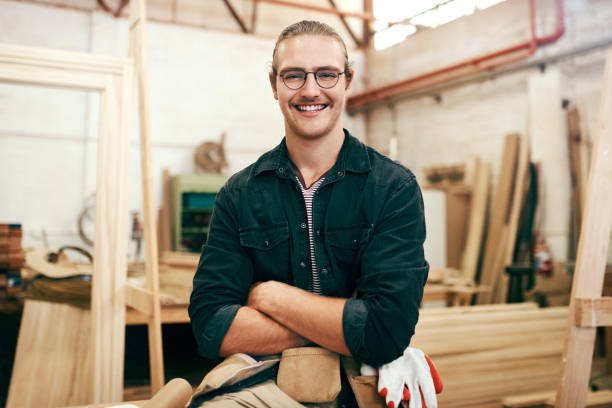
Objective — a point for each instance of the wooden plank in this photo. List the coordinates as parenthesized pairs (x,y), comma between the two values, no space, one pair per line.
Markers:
(601,398)
(478,213)
(593,312)
(139,298)
(52,361)
(499,214)
(169,314)
(578,156)
(591,261)
(55,78)
(138,50)
(165,216)
(457,210)
(446,311)
(518,201)
(110,244)
(182,259)
(60,59)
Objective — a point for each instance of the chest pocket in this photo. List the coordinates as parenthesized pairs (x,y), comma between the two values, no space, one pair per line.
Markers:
(346,244)
(268,247)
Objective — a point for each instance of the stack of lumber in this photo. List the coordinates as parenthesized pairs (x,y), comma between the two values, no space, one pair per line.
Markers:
(486,353)
(12,259)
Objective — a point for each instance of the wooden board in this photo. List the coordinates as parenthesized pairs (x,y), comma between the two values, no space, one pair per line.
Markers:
(457,210)
(518,202)
(499,215)
(138,50)
(591,262)
(53,359)
(477,217)
(164,223)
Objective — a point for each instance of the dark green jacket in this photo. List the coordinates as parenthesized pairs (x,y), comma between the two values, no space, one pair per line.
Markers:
(369,229)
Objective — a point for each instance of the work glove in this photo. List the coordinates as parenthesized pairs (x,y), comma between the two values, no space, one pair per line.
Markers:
(411,377)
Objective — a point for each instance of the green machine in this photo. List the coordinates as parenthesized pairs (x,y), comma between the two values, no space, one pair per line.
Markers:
(193,199)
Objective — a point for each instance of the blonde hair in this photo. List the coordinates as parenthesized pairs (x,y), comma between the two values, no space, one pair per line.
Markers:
(308,27)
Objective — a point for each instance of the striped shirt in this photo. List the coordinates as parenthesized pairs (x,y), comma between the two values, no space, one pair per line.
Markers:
(308,194)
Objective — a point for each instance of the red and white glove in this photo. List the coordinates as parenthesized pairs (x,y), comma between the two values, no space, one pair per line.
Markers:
(411,377)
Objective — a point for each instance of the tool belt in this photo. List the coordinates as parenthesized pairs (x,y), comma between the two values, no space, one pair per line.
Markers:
(308,375)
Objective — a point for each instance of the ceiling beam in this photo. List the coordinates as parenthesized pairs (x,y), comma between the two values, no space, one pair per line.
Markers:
(357,41)
(231,9)
(254,17)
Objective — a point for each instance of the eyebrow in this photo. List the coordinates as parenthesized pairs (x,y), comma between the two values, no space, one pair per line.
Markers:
(316,69)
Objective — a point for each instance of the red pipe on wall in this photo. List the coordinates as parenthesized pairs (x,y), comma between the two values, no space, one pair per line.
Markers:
(468,67)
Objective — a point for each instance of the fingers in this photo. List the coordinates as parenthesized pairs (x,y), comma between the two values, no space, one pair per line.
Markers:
(415,396)
(406,396)
(422,399)
(434,375)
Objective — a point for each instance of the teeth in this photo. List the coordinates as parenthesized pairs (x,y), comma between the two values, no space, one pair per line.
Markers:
(309,108)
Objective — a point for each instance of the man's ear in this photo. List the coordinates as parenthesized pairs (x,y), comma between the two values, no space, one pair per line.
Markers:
(273,85)
(349,79)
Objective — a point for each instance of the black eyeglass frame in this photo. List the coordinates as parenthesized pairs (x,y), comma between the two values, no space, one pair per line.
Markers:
(314,73)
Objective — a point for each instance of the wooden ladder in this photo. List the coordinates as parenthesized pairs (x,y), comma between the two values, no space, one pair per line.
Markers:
(588,309)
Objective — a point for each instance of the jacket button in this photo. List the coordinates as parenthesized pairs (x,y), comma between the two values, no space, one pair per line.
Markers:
(318,232)
(267,243)
(340,173)
(303,225)
(354,242)
(302,264)
(324,271)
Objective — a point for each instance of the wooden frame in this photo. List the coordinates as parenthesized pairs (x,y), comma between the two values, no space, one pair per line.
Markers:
(112,77)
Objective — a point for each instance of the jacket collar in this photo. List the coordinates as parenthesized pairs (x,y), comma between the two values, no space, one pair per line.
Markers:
(353,157)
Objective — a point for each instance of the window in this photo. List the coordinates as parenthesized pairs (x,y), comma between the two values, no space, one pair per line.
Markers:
(415,14)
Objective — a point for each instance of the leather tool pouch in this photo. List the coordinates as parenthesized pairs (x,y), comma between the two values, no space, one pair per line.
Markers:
(309,374)
(365,387)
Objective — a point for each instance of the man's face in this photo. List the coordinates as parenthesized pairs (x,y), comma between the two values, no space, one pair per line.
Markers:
(310,112)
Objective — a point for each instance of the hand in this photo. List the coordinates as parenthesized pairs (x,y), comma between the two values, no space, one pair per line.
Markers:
(411,377)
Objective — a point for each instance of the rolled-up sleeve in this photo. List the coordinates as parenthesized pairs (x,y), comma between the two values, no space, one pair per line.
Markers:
(222,280)
(379,323)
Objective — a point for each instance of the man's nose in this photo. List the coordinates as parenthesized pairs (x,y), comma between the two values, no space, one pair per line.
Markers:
(310,88)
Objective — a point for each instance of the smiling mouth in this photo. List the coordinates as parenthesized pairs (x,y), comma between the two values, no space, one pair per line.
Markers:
(310,108)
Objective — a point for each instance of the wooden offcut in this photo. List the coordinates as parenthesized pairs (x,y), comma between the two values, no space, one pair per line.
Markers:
(591,261)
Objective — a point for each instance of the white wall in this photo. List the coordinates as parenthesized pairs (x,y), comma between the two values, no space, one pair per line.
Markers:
(474,119)
(202,83)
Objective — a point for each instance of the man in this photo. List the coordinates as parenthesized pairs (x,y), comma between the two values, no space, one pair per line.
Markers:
(313,221)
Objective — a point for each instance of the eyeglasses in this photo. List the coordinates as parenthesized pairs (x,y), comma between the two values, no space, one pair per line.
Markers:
(296,78)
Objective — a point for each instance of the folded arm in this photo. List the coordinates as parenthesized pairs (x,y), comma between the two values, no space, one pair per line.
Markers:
(254,333)
(314,317)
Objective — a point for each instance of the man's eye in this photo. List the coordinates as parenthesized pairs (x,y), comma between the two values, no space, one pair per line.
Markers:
(327,74)
(294,75)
